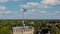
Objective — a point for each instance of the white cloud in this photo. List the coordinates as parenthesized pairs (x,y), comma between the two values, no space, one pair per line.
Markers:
(19,0)
(8,12)
(2,8)
(3,0)
(21,9)
(34,4)
(57,12)
(45,13)
(1,12)
(50,2)
(32,11)
(10,0)
(50,13)
(42,4)
(35,11)
(15,0)
(24,6)
(41,12)
(30,4)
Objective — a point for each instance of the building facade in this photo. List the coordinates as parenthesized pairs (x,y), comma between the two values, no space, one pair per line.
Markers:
(23,30)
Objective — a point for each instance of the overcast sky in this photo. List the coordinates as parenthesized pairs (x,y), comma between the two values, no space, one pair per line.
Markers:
(35,9)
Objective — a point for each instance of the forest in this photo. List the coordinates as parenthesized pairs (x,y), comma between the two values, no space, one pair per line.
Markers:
(6,25)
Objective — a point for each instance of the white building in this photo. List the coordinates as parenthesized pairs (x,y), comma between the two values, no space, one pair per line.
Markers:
(23,30)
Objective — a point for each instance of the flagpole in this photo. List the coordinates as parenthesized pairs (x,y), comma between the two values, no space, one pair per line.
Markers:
(23,19)
(23,11)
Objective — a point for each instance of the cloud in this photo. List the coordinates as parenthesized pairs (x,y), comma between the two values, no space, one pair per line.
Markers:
(35,11)
(45,13)
(15,0)
(10,0)
(45,6)
(32,11)
(50,13)
(2,8)
(3,0)
(42,12)
(30,4)
(42,4)
(19,0)
(24,6)
(34,4)
(57,12)
(8,12)
(50,2)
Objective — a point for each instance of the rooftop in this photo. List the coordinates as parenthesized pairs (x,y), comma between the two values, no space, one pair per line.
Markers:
(20,27)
